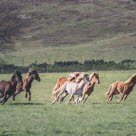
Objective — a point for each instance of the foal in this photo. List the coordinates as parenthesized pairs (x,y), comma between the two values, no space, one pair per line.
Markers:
(123,88)
(8,88)
(31,75)
(88,89)
(73,88)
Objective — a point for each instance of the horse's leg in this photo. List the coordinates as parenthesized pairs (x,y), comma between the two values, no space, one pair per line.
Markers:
(62,98)
(26,95)
(110,97)
(29,95)
(70,98)
(122,97)
(1,95)
(109,89)
(5,94)
(76,100)
(16,93)
(58,97)
(6,98)
(125,97)
(85,98)
(111,94)
(82,97)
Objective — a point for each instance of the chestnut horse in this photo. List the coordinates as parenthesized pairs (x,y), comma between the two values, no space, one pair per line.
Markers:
(88,89)
(8,88)
(123,88)
(62,80)
(31,75)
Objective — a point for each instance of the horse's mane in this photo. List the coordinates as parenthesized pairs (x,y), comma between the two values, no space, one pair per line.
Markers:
(131,78)
(31,71)
(75,74)
(12,78)
(71,79)
(16,73)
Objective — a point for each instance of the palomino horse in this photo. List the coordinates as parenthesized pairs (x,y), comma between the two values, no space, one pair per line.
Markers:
(73,88)
(8,88)
(62,80)
(88,89)
(123,88)
(31,75)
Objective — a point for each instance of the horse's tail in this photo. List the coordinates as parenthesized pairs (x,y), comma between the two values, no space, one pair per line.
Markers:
(112,86)
(55,88)
(61,88)
(109,89)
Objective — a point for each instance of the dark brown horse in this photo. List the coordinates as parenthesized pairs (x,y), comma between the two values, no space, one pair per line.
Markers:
(31,75)
(8,88)
(123,88)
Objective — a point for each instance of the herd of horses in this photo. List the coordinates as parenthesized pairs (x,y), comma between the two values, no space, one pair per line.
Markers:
(77,83)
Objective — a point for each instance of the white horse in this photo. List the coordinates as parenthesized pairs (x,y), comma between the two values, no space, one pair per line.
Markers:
(73,88)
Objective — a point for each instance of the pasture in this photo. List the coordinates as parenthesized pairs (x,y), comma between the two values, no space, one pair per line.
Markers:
(96,117)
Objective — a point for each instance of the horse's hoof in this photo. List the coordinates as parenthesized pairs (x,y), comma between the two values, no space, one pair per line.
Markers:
(53,102)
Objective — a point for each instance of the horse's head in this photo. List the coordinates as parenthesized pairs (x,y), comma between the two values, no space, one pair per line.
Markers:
(34,74)
(17,77)
(95,78)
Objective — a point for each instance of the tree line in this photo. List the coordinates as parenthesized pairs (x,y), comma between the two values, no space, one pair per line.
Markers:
(69,66)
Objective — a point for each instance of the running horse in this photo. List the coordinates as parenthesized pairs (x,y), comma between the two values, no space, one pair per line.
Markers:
(27,83)
(71,77)
(72,88)
(8,88)
(88,89)
(123,88)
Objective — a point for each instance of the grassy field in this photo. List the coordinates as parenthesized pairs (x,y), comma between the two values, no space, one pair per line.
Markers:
(96,117)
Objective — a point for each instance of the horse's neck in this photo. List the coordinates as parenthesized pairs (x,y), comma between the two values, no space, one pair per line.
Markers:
(30,80)
(131,79)
(92,83)
(81,84)
(132,84)
(13,82)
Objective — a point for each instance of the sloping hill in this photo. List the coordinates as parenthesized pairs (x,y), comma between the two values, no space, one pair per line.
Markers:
(53,30)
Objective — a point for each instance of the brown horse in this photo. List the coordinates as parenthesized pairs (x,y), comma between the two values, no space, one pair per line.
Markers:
(31,75)
(123,88)
(8,88)
(88,89)
(62,80)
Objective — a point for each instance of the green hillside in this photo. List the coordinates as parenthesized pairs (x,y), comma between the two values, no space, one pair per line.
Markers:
(54,30)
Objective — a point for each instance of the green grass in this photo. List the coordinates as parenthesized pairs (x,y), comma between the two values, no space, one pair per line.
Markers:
(96,117)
